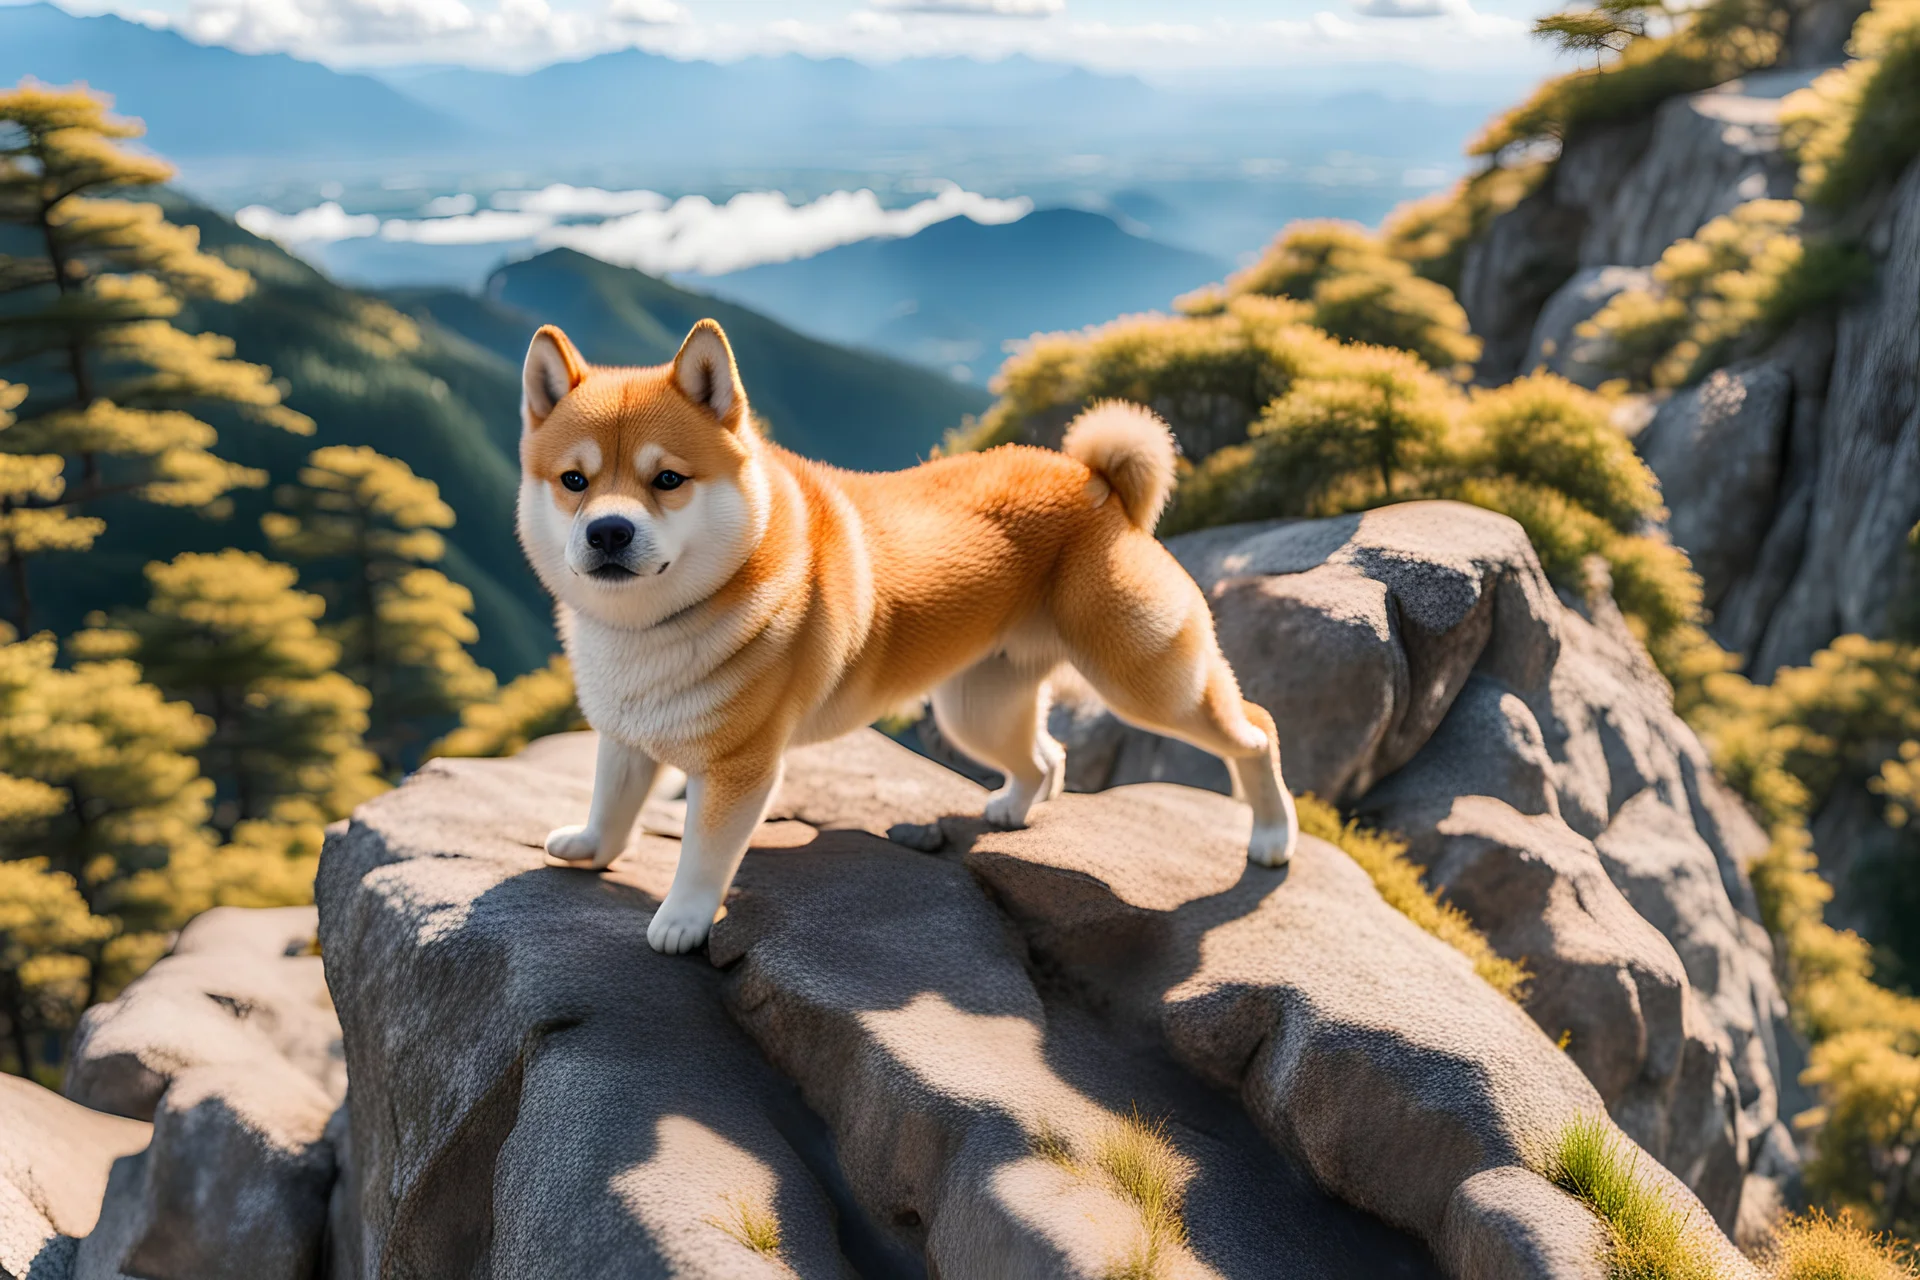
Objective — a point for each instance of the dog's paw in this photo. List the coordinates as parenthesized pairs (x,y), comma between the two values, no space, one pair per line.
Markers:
(1006,810)
(573,847)
(1270,846)
(680,927)
(927,837)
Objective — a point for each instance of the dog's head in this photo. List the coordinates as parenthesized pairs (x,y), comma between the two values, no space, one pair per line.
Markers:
(641,491)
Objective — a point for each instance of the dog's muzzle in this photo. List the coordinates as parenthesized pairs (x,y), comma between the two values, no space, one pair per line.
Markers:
(614,550)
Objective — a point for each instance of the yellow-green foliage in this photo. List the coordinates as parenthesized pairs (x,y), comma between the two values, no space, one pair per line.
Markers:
(1818,1247)
(1714,43)
(1859,125)
(752,1223)
(1649,1237)
(1358,291)
(1137,1159)
(228,632)
(1710,292)
(91,313)
(1369,425)
(1787,746)
(538,703)
(1208,376)
(402,628)
(1432,234)
(1384,859)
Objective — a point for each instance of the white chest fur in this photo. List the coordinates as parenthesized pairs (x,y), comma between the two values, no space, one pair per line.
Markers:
(663,689)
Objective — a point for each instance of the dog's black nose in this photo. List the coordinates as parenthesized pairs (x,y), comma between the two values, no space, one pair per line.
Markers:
(610,534)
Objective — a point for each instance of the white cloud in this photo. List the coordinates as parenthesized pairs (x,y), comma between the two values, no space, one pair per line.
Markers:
(1400,8)
(646,13)
(261,25)
(489,226)
(449,206)
(321,224)
(977,8)
(694,234)
(646,230)
(563,201)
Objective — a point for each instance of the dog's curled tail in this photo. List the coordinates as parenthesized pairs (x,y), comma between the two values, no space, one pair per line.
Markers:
(1128,446)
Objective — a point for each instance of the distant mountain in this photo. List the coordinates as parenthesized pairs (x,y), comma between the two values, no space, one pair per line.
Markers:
(845,407)
(201,100)
(647,106)
(954,294)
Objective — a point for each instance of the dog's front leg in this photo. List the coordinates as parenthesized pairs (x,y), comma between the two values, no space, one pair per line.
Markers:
(725,803)
(622,777)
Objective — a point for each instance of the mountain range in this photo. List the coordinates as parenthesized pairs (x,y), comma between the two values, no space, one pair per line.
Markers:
(955,294)
(634,108)
(187,93)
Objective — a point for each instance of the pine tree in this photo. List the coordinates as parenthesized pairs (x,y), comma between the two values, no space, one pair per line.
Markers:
(90,311)
(403,628)
(101,793)
(231,634)
(531,706)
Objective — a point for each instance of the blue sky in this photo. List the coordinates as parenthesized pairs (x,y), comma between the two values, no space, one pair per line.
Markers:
(1155,37)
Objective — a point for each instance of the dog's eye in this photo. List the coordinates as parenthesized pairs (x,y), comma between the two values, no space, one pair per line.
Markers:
(573,480)
(669,480)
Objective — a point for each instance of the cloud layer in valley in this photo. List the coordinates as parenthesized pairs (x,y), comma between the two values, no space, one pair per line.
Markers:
(647,230)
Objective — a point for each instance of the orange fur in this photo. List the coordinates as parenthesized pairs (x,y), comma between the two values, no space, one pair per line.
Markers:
(848,594)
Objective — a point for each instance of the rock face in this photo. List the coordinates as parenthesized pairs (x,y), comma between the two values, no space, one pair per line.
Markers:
(230,1047)
(1718,448)
(1532,759)
(1618,196)
(919,1064)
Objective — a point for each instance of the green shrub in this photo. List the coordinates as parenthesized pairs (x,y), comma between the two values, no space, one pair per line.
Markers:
(1818,1247)
(1859,125)
(1543,430)
(1358,291)
(1737,280)
(1208,376)
(1431,235)
(1714,43)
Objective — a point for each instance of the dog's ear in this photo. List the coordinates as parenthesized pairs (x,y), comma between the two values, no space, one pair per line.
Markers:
(553,368)
(704,371)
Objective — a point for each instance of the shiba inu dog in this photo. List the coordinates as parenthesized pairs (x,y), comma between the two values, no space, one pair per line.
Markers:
(722,598)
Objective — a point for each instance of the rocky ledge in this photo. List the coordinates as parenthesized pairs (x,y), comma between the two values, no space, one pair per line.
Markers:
(1101,1046)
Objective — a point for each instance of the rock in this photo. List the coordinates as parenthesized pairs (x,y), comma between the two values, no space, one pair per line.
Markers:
(530,1080)
(1718,448)
(1617,197)
(1558,346)
(963,1111)
(1708,152)
(1865,484)
(1356,632)
(54,1160)
(230,1046)
(1541,730)
(1351,1037)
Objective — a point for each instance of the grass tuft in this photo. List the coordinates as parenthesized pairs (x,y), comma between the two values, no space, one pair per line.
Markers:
(1384,859)
(750,1222)
(1649,1238)
(1817,1247)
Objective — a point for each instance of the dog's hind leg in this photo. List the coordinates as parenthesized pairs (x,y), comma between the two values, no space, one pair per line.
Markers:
(1140,632)
(724,805)
(994,711)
